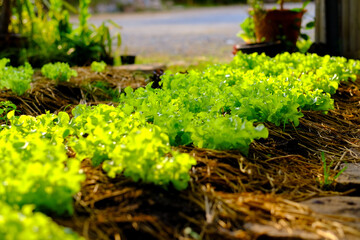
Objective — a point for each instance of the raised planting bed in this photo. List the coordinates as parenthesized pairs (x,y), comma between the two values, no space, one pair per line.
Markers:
(88,87)
(248,144)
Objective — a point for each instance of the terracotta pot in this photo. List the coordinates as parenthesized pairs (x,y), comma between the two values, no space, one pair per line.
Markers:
(271,25)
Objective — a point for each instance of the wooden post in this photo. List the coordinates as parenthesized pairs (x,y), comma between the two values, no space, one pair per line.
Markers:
(320,27)
(338,26)
(350,34)
(5,17)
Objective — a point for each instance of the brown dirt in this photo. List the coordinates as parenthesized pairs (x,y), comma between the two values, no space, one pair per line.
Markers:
(228,191)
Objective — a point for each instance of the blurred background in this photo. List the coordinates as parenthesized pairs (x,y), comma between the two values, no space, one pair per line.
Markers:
(171,31)
(182,30)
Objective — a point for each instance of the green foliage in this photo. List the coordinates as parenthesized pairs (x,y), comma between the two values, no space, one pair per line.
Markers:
(142,154)
(229,132)
(4,62)
(25,224)
(5,108)
(305,3)
(257,5)
(16,79)
(59,72)
(99,129)
(206,108)
(36,169)
(128,145)
(193,3)
(34,164)
(318,70)
(327,181)
(304,45)
(105,88)
(221,107)
(247,32)
(53,38)
(192,233)
(98,66)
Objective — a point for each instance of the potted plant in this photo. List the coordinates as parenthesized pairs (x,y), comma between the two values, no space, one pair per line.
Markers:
(127,58)
(277,24)
(271,31)
(50,36)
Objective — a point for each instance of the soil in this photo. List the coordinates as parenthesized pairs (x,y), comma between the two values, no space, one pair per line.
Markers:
(230,196)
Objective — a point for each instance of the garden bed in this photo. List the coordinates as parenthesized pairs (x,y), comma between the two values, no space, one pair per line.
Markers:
(229,196)
(88,87)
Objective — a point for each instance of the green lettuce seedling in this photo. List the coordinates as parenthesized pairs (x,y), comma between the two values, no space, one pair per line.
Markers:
(59,72)
(16,79)
(98,66)
(24,223)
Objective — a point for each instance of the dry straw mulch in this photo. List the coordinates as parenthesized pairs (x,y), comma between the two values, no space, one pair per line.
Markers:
(46,95)
(230,196)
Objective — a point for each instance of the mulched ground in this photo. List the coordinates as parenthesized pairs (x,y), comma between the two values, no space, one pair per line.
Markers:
(230,196)
(46,95)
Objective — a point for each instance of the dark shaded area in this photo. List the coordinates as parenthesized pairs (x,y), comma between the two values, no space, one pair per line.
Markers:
(271,49)
(127,59)
(333,30)
(156,78)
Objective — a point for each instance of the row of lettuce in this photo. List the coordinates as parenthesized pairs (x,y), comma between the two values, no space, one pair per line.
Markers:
(222,107)
(38,174)
(18,79)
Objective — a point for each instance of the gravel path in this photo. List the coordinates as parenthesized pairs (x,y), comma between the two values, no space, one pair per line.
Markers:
(209,31)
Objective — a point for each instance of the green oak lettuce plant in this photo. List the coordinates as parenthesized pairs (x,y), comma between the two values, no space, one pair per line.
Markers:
(35,167)
(226,132)
(127,144)
(59,72)
(98,66)
(145,154)
(253,88)
(99,129)
(221,107)
(24,223)
(5,108)
(16,79)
